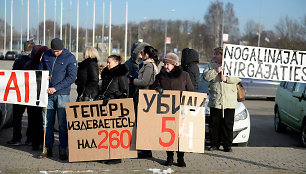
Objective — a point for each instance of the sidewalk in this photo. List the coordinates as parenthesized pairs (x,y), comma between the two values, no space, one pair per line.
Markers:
(21,159)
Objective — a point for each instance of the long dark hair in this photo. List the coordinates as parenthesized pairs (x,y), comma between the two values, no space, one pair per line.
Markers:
(152,52)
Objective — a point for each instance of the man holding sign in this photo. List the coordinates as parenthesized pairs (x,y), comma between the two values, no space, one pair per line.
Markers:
(222,99)
(172,77)
(62,68)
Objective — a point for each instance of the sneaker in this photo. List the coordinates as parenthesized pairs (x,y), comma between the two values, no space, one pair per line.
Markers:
(213,148)
(63,154)
(169,161)
(227,149)
(181,163)
(46,154)
(13,143)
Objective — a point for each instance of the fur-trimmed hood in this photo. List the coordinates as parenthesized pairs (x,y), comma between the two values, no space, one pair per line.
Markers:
(117,71)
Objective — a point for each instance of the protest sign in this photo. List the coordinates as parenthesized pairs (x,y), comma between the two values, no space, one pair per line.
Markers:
(171,121)
(157,120)
(264,63)
(24,87)
(97,132)
(192,122)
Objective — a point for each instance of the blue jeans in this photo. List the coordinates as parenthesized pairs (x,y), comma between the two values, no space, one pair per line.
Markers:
(56,105)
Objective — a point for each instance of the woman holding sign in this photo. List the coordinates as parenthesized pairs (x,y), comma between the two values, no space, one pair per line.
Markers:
(146,77)
(222,96)
(172,77)
(114,85)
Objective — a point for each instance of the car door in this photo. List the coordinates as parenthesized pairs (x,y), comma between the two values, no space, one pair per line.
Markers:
(298,107)
(286,103)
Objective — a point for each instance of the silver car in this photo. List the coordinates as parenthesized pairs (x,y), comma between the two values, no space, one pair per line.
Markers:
(260,88)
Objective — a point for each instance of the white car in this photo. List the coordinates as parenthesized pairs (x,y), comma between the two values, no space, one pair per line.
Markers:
(241,130)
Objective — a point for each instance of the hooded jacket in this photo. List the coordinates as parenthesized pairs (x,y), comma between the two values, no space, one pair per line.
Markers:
(190,60)
(114,82)
(229,92)
(62,70)
(88,77)
(177,79)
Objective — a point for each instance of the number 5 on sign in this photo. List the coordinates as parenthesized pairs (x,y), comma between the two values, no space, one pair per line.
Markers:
(157,122)
(164,129)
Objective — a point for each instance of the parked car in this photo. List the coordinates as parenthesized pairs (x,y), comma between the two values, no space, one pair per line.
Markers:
(260,88)
(11,55)
(241,132)
(1,55)
(6,114)
(290,108)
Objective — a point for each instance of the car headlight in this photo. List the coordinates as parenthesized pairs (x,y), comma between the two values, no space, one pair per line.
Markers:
(241,116)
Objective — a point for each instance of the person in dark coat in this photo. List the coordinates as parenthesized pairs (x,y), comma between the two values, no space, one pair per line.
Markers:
(114,85)
(190,60)
(172,77)
(29,60)
(88,75)
(133,64)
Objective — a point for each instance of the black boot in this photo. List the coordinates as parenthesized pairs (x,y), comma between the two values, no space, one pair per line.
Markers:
(180,159)
(63,154)
(145,154)
(169,161)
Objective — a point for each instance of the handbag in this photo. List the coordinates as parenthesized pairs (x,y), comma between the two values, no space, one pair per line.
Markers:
(84,98)
(240,92)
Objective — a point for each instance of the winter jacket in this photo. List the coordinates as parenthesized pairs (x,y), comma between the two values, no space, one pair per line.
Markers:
(229,92)
(177,79)
(115,82)
(23,60)
(190,60)
(62,70)
(88,78)
(146,75)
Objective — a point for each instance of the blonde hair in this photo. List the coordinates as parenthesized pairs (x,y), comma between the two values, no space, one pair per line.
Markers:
(90,52)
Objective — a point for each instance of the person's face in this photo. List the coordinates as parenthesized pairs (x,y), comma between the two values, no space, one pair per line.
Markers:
(169,67)
(145,56)
(111,63)
(57,52)
(217,57)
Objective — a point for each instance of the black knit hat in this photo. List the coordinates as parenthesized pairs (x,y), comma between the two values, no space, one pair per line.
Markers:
(57,44)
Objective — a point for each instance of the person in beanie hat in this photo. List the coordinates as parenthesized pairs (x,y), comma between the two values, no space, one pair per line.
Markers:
(222,99)
(23,62)
(62,67)
(190,60)
(172,77)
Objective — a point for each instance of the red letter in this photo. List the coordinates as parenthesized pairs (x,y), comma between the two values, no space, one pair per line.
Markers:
(164,129)
(1,73)
(13,79)
(26,86)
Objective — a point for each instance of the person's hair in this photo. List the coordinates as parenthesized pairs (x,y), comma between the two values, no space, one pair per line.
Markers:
(219,50)
(90,52)
(117,58)
(152,52)
(28,45)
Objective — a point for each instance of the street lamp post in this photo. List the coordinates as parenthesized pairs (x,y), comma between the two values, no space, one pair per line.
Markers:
(165,48)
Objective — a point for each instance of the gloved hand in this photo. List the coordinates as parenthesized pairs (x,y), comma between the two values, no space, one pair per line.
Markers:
(159,90)
(105,101)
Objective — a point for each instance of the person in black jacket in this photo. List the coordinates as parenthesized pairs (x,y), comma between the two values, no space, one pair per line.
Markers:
(88,75)
(114,84)
(190,60)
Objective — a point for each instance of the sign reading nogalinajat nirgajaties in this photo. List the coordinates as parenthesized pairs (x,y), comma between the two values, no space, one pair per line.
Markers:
(264,63)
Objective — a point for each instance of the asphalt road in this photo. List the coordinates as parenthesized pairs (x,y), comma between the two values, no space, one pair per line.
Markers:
(267,152)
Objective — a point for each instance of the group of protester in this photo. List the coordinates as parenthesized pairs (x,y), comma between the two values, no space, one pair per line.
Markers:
(143,70)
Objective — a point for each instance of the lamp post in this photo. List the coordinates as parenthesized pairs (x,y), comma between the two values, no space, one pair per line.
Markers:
(165,49)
